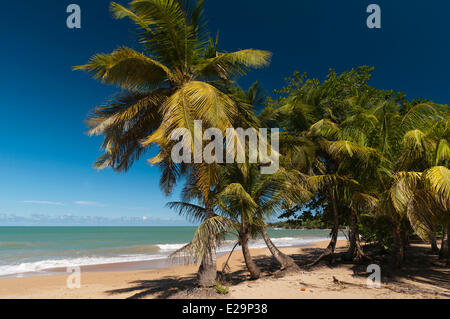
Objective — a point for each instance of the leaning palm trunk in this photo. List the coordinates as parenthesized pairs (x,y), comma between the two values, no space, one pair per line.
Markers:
(207,272)
(329,251)
(334,232)
(355,251)
(286,262)
(251,266)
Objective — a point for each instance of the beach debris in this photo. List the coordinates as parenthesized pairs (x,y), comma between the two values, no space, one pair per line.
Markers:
(338,282)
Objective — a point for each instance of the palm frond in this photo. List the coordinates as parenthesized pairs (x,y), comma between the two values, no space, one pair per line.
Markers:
(364,202)
(120,12)
(207,235)
(405,183)
(423,214)
(227,65)
(347,149)
(192,212)
(171,39)
(236,196)
(320,182)
(325,128)
(442,152)
(420,116)
(438,182)
(127,69)
(124,121)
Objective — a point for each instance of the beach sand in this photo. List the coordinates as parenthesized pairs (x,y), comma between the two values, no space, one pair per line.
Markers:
(317,283)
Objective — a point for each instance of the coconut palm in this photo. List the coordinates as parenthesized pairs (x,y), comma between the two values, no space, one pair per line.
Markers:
(355,142)
(421,190)
(176,79)
(334,161)
(409,150)
(245,200)
(395,118)
(251,198)
(210,232)
(331,135)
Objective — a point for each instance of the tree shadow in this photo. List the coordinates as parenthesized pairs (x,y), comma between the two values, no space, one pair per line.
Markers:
(421,266)
(270,268)
(307,256)
(161,288)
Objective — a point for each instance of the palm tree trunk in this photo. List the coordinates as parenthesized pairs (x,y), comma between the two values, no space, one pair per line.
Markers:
(397,247)
(329,251)
(355,251)
(350,254)
(335,230)
(434,245)
(251,266)
(444,252)
(405,237)
(286,262)
(207,272)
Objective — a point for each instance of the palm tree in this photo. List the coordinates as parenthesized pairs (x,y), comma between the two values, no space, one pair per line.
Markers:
(410,151)
(387,157)
(425,199)
(334,161)
(356,143)
(236,222)
(250,198)
(208,235)
(421,190)
(325,138)
(245,200)
(332,130)
(286,191)
(176,79)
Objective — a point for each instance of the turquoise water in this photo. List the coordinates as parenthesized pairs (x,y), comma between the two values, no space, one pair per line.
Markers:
(33,249)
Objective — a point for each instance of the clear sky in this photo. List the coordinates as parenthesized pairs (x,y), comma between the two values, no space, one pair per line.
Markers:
(46,174)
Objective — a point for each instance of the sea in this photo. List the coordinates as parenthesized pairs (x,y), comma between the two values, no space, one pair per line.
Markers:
(35,250)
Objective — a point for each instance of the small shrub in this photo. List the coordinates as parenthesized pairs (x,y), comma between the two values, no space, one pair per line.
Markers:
(221,289)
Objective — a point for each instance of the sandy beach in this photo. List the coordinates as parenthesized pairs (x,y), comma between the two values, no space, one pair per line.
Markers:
(321,282)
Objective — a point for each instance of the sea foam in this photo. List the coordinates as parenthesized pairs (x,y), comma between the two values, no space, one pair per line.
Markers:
(126,255)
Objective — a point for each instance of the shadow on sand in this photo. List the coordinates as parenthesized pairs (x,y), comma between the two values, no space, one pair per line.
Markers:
(421,266)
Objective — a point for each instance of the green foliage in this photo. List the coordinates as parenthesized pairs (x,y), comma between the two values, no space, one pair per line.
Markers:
(221,289)
(300,224)
(376,229)
(374,152)
(177,77)
(347,148)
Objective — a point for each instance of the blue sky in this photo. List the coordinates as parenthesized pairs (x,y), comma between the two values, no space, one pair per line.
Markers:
(46,174)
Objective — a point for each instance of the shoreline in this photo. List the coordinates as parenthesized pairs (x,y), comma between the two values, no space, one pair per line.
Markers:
(145,263)
(53,285)
(174,281)
(138,265)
